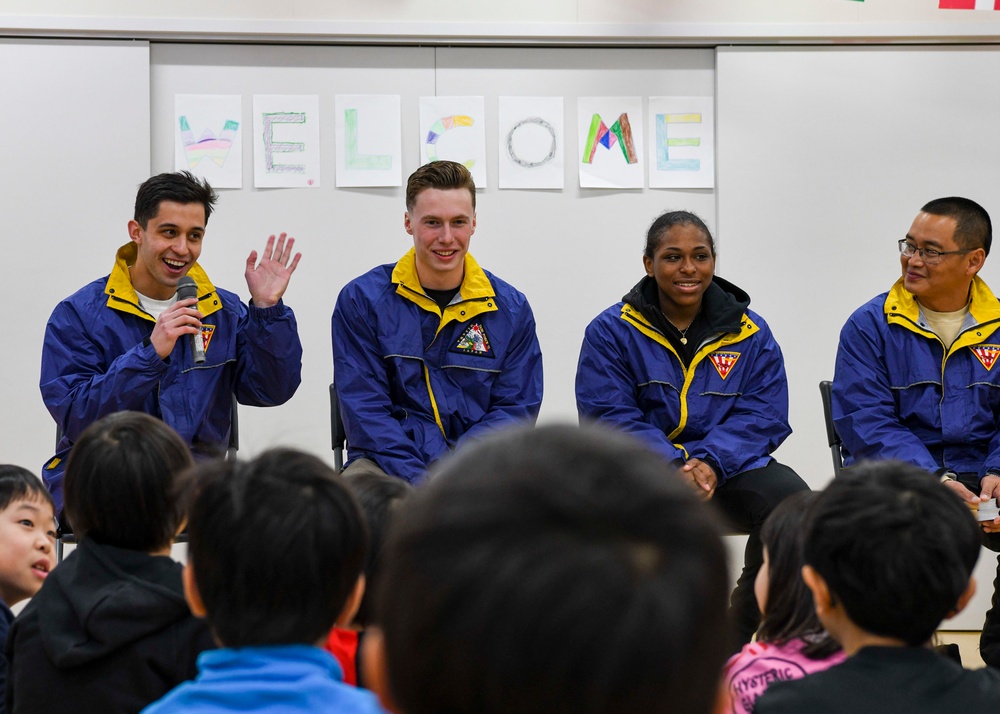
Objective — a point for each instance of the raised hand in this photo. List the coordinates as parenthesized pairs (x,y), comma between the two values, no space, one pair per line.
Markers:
(268,279)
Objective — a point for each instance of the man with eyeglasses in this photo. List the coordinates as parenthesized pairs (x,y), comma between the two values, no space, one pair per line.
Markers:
(917,376)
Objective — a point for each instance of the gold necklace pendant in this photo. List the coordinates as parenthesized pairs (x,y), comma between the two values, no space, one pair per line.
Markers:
(684,340)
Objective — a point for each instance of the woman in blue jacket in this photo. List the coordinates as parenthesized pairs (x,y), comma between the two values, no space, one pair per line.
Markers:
(684,365)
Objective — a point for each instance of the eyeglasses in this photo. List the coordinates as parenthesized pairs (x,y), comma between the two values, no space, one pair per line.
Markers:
(928,255)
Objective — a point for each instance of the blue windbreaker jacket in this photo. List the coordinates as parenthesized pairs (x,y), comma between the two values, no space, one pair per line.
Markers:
(899,394)
(413,381)
(96,360)
(730,405)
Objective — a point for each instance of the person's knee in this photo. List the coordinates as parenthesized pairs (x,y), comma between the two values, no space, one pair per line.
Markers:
(761,490)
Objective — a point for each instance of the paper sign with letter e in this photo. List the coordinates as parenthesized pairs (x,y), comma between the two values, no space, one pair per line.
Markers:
(531,142)
(454,129)
(369,140)
(208,138)
(969,5)
(610,133)
(682,142)
(286,151)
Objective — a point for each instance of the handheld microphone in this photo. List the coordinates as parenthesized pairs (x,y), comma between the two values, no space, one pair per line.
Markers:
(186,288)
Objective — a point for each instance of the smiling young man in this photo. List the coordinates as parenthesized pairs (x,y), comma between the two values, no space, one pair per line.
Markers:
(123,342)
(433,349)
(916,376)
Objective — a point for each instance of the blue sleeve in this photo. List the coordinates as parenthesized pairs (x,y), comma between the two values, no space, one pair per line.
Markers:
(606,388)
(864,409)
(363,390)
(269,355)
(758,421)
(992,457)
(80,382)
(516,394)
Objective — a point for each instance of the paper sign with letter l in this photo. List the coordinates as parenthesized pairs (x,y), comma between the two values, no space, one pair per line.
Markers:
(286,151)
(369,140)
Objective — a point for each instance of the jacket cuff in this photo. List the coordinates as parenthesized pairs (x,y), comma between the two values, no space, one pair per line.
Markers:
(720,475)
(268,314)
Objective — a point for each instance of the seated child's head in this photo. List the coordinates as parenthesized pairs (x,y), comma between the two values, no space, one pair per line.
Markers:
(126,483)
(379,496)
(786,605)
(890,549)
(557,569)
(276,549)
(27,534)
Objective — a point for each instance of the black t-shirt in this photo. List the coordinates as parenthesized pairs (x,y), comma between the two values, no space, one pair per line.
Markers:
(442,297)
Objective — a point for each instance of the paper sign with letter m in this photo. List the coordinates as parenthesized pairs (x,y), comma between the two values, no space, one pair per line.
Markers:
(601,135)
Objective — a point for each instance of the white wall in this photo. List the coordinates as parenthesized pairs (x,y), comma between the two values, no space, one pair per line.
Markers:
(74,136)
(522,11)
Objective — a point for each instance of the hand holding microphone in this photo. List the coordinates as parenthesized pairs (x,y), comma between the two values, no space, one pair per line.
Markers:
(181,318)
(186,289)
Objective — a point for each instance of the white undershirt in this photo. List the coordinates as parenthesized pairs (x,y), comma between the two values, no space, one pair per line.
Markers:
(945,325)
(155,307)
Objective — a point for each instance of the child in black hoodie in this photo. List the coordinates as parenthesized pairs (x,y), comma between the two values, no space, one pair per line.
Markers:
(110,631)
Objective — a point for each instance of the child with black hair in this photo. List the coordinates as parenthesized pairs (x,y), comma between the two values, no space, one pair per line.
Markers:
(791,643)
(27,539)
(557,570)
(888,553)
(274,561)
(110,631)
(379,496)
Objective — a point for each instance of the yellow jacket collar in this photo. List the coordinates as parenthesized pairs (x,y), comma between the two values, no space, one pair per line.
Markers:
(983,305)
(475,285)
(122,296)
(633,315)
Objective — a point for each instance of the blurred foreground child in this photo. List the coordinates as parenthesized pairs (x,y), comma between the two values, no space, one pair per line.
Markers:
(549,571)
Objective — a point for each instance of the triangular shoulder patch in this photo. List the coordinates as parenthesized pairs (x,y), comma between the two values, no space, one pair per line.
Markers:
(724,362)
(474,341)
(206,335)
(987,354)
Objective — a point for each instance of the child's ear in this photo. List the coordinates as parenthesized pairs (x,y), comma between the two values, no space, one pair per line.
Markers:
(376,667)
(191,593)
(964,598)
(346,616)
(822,600)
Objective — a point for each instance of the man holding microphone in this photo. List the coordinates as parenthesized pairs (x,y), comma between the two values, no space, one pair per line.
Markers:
(116,344)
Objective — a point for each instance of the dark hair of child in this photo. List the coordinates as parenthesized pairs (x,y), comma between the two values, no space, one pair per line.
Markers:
(554,569)
(126,482)
(895,547)
(276,546)
(379,496)
(18,484)
(789,613)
